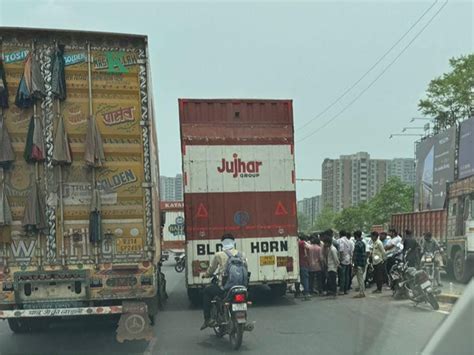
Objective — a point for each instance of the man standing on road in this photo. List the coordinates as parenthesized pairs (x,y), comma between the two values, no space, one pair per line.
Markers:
(331,264)
(378,257)
(393,248)
(360,260)
(384,238)
(314,258)
(304,268)
(412,249)
(345,252)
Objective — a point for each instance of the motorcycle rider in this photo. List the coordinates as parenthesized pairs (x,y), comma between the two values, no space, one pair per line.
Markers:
(217,264)
(412,249)
(430,245)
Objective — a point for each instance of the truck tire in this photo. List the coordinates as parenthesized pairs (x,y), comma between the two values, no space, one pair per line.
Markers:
(462,271)
(278,290)
(195,296)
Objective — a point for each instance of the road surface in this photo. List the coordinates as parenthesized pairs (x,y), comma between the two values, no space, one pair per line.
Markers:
(373,325)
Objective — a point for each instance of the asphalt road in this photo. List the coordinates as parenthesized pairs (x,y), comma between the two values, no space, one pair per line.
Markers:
(373,325)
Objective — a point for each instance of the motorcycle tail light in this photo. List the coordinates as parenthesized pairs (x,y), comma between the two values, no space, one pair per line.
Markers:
(239,298)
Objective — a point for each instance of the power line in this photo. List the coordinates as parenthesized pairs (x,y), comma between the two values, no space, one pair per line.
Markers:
(378,76)
(370,69)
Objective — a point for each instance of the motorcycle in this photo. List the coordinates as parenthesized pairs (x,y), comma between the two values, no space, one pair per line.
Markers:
(428,263)
(180,262)
(414,284)
(229,314)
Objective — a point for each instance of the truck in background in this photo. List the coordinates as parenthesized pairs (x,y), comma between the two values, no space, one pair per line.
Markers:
(453,227)
(59,271)
(172,234)
(239,178)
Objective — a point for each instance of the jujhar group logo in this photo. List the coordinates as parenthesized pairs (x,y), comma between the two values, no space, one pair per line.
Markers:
(238,167)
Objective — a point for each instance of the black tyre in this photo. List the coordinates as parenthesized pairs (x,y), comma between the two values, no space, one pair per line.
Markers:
(461,270)
(195,296)
(236,335)
(432,301)
(179,267)
(19,325)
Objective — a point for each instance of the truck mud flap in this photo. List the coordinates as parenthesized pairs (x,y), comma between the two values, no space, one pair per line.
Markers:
(134,324)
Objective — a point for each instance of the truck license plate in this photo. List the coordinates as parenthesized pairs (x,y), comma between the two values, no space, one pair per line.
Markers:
(239,306)
(129,245)
(425,284)
(267,260)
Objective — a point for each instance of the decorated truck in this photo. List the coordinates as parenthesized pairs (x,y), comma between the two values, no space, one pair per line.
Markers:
(79,221)
(172,235)
(239,178)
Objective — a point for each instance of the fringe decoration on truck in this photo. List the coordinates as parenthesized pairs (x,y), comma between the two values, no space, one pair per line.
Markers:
(48,114)
(145,124)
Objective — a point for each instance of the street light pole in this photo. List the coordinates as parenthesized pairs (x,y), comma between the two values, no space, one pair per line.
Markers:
(406,135)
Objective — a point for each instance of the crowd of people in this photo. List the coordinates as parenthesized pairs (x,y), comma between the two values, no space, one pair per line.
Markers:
(329,261)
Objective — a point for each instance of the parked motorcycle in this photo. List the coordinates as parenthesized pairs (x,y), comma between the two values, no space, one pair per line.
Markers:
(429,264)
(229,314)
(180,262)
(414,284)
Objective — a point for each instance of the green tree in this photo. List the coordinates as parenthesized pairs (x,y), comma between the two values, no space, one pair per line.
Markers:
(304,223)
(325,220)
(354,218)
(394,197)
(449,97)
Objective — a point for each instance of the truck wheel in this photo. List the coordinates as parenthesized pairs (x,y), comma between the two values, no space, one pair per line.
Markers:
(278,290)
(195,296)
(19,325)
(462,272)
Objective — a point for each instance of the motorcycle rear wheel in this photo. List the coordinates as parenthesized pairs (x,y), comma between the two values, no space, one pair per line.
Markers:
(179,267)
(236,335)
(432,301)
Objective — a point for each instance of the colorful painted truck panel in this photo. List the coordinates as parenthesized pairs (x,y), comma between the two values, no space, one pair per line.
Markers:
(60,266)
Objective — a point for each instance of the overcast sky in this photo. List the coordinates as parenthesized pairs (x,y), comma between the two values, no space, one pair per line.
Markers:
(310,52)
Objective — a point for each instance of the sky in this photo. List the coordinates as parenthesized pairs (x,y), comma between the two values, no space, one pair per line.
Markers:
(310,52)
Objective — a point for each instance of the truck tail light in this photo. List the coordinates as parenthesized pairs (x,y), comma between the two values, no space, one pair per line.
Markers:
(240,298)
(289,264)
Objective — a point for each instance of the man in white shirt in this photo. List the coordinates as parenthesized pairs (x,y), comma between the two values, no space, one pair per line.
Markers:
(393,248)
(346,248)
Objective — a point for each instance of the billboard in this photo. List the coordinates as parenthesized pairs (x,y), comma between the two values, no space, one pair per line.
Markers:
(435,158)
(466,149)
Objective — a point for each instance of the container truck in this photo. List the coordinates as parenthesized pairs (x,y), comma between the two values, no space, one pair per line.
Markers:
(239,178)
(81,263)
(453,227)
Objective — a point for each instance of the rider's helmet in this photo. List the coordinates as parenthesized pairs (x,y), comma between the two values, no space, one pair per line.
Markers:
(228,241)
(428,235)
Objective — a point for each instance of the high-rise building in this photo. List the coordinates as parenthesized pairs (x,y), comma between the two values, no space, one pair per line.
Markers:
(171,188)
(310,207)
(354,179)
(403,168)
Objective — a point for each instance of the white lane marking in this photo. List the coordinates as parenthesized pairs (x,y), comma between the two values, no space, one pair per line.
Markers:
(151,346)
(442,312)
